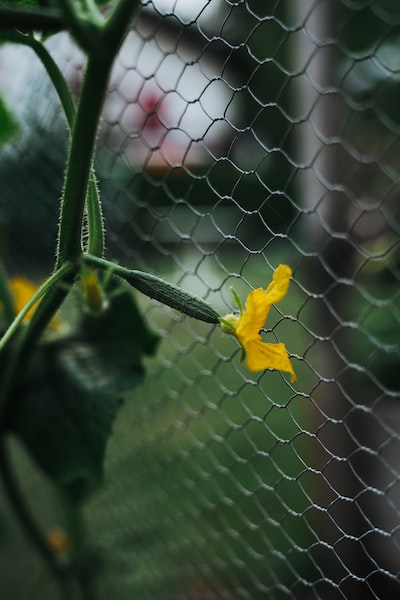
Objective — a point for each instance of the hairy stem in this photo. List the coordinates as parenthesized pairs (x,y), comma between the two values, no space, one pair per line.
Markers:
(94,210)
(101,40)
(80,159)
(94,218)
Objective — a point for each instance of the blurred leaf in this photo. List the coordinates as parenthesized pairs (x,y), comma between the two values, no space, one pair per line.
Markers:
(72,391)
(120,330)
(8,126)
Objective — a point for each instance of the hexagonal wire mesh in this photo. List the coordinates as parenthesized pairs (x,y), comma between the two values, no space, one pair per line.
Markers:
(238,135)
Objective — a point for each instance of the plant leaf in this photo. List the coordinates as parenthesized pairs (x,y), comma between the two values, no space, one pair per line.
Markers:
(73,389)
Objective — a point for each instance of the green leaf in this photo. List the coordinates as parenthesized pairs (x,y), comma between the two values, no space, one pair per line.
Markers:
(73,389)
(8,125)
(64,419)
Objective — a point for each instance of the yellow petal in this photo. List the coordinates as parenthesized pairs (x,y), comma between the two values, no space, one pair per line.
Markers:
(58,541)
(279,285)
(254,316)
(259,302)
(261,356)
(92,292)
(22,290)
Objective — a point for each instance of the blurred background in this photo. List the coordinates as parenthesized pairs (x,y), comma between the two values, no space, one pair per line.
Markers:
(236,135)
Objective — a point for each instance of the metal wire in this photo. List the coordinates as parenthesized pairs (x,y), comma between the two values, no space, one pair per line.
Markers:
(238,135)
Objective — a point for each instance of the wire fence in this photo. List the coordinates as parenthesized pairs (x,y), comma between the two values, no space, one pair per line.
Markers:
(238,135)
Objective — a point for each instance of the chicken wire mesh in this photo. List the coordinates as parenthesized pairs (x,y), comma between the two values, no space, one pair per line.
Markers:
(236,136)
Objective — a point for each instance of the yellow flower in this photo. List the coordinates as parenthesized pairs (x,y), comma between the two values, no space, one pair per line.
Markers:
(92,292)
(22,290)
(247,325)
(58,541)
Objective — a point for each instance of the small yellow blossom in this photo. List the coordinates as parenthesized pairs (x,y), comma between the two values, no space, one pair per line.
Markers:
(247,324)
(58,541)
(22,290)
(92,292)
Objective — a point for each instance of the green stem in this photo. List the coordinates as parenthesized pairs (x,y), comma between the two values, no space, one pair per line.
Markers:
(84,28)
(101,40)
(95,216)
(75,526)
(51,67)
(118,21)
(6,297)
(80,159)
(92,11)
(56,77)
